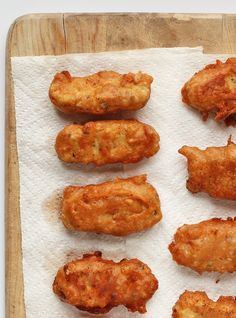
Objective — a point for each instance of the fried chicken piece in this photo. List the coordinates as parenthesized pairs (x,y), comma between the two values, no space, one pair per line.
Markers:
(107,141)
(97,285)
(213,89)
(117,207)
(198,305)
(208,246)
(212,170)
(101,93)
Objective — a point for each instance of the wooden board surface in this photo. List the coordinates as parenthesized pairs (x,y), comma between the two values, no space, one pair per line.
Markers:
(43,34)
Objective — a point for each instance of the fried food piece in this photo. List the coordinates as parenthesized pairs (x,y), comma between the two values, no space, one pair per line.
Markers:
(107,141)
(97,285)
(213,89)
(212,170)
(117,207)
(198,305)
(208,246)
(101,93)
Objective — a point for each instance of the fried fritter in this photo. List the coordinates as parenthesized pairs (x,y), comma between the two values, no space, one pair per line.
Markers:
(208,246)
(97,285)
(101,93)
(212,170)
(117,207)
(198,305)
(107,141)
(213,89)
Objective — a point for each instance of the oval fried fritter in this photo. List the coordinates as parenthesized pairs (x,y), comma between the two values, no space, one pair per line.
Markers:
(198,305)
(213,89)
(97,285)
(107,141)
(117,207)
(212,170)
(101,93)
(209,246)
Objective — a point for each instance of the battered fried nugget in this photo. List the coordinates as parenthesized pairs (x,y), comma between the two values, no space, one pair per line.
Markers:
(117,207)
(100,93)
(97,285)
(198,305)
(213,89)
(208,246)
(212,170)
(108,141)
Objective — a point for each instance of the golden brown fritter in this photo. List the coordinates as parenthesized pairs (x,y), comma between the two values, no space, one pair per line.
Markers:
(198,305)
(209,246)
(97,285)
(212,170)
(117,207)
(213,89)
(101,93)
(107,141)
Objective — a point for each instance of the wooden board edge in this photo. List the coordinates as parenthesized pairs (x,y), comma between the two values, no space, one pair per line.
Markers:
(14,302)
(178,16)
(183,16)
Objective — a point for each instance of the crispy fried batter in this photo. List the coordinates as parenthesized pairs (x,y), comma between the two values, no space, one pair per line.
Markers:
(213,89)
(108,141)
(212,170)
(97,285)
(117,207)
(198,305)
(100,93)
(208,246)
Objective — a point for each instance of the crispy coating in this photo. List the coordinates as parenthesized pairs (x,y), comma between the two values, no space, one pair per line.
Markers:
(209,246)
(101,93)
(117,207)
(107,141)
(213,89)
(198,305)
(97,285)
(212,170)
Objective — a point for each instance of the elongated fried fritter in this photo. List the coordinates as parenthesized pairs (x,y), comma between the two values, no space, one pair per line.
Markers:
(209,246)
(107,141)
(97,285)
(213,89)
(212,170)
(100,93)
(117,207)
(198,305)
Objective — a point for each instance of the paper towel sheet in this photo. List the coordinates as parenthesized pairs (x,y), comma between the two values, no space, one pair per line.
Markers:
(46,243)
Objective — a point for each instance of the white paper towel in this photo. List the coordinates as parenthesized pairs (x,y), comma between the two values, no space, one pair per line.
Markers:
(46,243)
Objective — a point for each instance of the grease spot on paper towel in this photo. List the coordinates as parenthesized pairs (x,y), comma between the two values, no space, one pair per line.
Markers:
(52,206)
(71,255)
(83,117)
(116,255)
(91,168)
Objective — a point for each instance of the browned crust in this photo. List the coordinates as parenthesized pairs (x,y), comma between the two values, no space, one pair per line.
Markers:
(101,93)
(193,245)
(213,89)
(212,170)
(197,304)
(118,207)
(97,285)
(107,141)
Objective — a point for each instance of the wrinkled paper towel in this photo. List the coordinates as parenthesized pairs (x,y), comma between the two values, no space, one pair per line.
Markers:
(46,243)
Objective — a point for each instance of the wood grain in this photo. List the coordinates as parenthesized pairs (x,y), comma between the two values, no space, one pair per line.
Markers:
(46,34)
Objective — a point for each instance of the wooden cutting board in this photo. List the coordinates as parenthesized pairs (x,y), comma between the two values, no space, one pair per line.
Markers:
(42,34)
